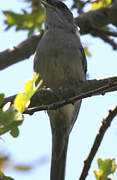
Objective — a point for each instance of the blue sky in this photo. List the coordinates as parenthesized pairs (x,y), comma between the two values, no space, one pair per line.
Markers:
(34,141)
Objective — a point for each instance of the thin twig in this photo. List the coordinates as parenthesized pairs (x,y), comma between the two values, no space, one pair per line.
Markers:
(105,124)
(106,39)
(104,35)
(105,32)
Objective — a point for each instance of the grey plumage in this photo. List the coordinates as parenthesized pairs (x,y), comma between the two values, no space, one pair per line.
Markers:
(60,60)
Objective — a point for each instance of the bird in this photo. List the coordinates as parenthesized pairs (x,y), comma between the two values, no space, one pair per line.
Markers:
(60,60)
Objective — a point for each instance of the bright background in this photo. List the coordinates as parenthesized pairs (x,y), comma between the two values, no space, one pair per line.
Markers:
(34,142)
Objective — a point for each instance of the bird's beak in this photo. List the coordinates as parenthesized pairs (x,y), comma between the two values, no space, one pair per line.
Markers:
(47,5)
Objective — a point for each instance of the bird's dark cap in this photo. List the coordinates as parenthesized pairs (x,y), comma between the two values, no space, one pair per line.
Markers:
(47,5)
(55,4)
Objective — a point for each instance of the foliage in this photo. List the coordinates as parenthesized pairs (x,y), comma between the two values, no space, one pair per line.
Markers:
(7,162)
(3,177)
(87,53)
(32,19)
(24,20)
(11,115)
(100,3)
(22,100)
(106,167)
(10,119)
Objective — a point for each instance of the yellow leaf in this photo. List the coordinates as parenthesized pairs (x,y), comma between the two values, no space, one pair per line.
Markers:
(87,53)
(96,5)
(35,76)
(28,86)
(39,84)
(99,4)
(106,168)
(98,175)
(20,102)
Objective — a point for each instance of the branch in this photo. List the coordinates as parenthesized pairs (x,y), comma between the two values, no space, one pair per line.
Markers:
(106,39)
(25,49)
(104,32)
(19,52)
(46,99)
(105,36)
(105,124)
(99,18)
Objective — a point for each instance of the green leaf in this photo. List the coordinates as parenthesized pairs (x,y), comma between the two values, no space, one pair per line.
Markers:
(15,131)
(1,174)
(87,53)
(22,168)
(106,28)
(3,177)
(1,98)
(7,178)
(24,20)
(106,167)
(9,118)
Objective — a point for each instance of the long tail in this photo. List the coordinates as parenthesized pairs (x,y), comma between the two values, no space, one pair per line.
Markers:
(58,165)
(62,121)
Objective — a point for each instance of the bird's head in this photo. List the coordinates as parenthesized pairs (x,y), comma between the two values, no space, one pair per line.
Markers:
(57,14)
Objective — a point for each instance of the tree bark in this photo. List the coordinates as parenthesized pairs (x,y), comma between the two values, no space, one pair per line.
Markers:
(45,99)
